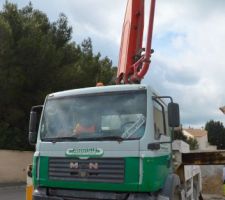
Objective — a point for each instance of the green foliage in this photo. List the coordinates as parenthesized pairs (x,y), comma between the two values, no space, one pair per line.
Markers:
(216,133)
(193,143)
(37,57)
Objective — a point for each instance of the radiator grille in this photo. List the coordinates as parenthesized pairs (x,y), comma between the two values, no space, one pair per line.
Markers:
(107,170)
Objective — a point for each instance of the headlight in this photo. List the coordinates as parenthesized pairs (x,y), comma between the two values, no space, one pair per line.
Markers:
(40,191)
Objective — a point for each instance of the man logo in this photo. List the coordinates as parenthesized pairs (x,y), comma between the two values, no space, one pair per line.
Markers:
(74,165)
(93,166)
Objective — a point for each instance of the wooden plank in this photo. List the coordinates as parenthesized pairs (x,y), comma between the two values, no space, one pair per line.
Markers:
(204,158)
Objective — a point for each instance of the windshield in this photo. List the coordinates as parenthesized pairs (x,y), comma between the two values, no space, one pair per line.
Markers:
(108,116)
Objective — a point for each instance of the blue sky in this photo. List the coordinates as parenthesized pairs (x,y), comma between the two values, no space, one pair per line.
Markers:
(189,40)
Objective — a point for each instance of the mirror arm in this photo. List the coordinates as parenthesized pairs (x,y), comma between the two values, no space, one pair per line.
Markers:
(35,108)
(163,97)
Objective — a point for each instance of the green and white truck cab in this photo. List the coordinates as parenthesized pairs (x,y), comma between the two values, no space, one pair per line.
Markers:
(126,156)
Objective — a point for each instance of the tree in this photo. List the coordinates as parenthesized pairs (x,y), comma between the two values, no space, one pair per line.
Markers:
(216,133)
(193,143)
(37,57)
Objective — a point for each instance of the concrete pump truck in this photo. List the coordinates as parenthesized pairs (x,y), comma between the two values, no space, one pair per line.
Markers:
(109,142)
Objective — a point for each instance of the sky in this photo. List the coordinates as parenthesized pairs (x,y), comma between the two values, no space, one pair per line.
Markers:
(189,39)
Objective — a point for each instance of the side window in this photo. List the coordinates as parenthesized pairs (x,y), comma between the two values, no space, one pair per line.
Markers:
(159,119)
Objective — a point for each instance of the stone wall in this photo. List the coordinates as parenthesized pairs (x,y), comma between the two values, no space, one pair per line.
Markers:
(13,165)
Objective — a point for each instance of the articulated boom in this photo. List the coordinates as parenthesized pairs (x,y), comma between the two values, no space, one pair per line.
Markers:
(134,60)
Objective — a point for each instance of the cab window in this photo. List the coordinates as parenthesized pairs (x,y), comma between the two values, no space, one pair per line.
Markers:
(159,118)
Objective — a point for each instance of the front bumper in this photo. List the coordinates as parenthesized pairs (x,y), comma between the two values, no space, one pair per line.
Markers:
(37,197)
(62,194)
(41,194)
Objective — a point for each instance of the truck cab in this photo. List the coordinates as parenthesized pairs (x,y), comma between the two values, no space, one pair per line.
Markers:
(122,151)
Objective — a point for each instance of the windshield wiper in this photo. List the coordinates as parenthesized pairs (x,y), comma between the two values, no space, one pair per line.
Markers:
(59,139)
(111,137)
(73,138)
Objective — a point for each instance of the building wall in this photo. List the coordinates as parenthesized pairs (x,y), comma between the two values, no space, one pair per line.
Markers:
(13,165)
(202,142)
(211,148)
(188,134)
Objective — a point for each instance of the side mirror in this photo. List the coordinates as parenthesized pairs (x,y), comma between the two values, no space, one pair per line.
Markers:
(34,122)
(33,128)
(173,115)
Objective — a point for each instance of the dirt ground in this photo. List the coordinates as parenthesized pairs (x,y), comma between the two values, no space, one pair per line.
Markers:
(212,182)
(213,197)
(212,185)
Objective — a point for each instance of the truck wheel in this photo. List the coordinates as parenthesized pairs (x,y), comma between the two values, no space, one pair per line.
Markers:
(172,188)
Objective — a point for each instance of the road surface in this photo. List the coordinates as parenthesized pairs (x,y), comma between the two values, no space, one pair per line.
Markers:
(18,193)
(13,193)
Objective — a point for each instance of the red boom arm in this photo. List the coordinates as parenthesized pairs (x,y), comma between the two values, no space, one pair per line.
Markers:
(133,62)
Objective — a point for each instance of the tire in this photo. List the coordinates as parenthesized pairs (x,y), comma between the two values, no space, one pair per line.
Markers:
(172,188)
